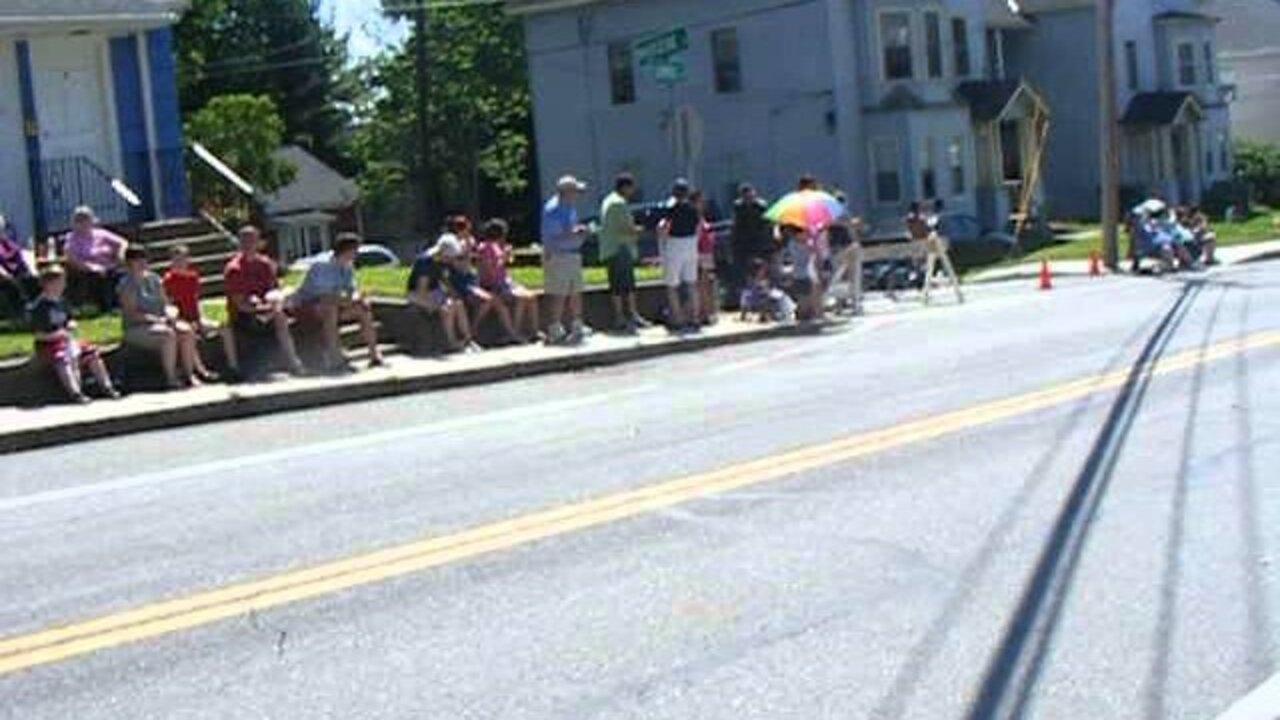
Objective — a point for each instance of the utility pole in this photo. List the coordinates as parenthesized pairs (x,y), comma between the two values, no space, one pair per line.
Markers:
(1109,133)
(421,89)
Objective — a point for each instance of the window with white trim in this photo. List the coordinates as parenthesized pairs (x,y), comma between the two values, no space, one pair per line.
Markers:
(1131,63)
(725,58)
(960,46)
(622,74)
(955,159)
(885,164)
(895,45)
(1186,64)
(1209,70)
(933,44)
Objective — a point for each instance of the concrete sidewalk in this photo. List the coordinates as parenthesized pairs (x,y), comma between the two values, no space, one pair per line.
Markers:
(26,429)
(1233,255)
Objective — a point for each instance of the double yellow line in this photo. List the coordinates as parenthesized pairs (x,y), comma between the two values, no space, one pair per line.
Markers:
(27,651)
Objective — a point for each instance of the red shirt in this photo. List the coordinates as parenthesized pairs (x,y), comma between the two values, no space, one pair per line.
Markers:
(183,289)
(244,276)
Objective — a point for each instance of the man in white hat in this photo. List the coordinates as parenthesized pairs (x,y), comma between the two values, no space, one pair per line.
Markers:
(562,238)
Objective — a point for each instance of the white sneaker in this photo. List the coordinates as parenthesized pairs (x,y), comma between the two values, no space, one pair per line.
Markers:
(578,334)
(556,334)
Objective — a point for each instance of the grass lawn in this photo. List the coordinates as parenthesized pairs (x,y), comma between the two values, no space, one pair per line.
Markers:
(383,282)
(1259,228)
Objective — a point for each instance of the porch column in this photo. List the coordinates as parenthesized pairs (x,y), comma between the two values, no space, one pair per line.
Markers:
(31,131)
(174,200)
(132,121)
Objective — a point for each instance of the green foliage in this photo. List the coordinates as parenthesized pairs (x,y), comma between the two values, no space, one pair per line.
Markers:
(479,112)
(1223,195)
(279,48)
(1258,165)
(244,131)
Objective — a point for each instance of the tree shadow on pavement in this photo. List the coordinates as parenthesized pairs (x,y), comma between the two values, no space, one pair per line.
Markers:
(1171,581)
(1014,669)
(894,703)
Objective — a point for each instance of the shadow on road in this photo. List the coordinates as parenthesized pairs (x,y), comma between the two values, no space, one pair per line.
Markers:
(1012,673)
(1167,618)
(895,701)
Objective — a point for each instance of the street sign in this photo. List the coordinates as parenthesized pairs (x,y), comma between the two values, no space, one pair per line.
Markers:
(670,72)
(654,49)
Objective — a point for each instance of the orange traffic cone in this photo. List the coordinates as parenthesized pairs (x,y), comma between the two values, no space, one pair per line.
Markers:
(1095,264)
(1046,277)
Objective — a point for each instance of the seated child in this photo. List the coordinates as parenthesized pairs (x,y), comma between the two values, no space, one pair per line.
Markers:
(55,341)
(762,299)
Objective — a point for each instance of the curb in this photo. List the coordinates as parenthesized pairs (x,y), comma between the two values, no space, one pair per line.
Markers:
(235,408)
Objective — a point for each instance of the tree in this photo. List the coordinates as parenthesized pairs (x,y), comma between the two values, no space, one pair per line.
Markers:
(280,48)
(1258,166)
(479,110)
(244,131)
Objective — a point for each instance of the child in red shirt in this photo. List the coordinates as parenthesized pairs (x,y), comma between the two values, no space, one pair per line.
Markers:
(182,285)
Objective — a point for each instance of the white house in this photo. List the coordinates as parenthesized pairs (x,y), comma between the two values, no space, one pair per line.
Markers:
(89,111)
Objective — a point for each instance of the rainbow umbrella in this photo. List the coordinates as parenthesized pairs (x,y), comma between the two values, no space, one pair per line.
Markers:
(812,210)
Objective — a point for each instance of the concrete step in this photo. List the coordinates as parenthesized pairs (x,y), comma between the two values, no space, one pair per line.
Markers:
(201,244)
(162,230)
(206,265)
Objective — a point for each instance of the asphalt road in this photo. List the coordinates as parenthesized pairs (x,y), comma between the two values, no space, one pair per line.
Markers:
(861,527)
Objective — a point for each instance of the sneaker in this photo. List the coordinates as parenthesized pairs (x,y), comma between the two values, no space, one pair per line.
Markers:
(578,334)
(640,323)
(556,335)
(471,348)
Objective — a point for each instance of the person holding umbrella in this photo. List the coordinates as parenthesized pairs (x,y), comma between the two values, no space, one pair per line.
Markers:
(803,216)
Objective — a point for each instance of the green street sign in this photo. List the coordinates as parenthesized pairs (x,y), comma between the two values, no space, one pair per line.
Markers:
(657,48)
(671,72)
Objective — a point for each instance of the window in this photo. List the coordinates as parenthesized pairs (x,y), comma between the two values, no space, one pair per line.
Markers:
(1224,153)
(1186,64)
(1208,162)
(728,67)
(622,74)
(884,163)
(928,170)
(1131,63)
(995,55)
(933,43)
(960,45)
(955,158)
(1208,63)
(895,43)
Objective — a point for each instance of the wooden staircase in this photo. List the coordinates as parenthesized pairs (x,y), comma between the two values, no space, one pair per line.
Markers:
(210,248)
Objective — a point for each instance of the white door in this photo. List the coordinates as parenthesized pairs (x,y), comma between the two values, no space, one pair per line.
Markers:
(71,99)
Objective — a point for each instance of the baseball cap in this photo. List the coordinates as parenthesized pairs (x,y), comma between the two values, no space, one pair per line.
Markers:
(569,182)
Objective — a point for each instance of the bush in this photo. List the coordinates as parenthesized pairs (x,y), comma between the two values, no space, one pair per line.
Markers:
(1258,166)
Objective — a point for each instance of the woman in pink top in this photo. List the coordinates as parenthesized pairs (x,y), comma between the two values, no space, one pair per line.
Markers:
(491,257)
(706,261)
(95,257)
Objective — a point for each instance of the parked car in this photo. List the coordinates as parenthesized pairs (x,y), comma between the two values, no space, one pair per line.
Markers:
(370,255)
(971,243)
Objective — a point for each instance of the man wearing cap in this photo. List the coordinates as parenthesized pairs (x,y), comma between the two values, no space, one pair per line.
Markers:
(678,232)
(562,238)
(95,256)
(619,251)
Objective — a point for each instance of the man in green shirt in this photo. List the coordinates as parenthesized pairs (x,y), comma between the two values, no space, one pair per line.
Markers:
(619,251)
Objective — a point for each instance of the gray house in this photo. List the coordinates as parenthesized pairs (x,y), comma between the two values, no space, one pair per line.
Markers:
(892,101)
(1176,124)
(1249,51)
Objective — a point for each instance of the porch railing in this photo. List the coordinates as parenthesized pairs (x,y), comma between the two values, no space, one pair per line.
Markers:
(73,181)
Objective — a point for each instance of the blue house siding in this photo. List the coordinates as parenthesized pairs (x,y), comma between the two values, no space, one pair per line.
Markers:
(31,130)
(175,199)
(131,118)
(1071,173)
